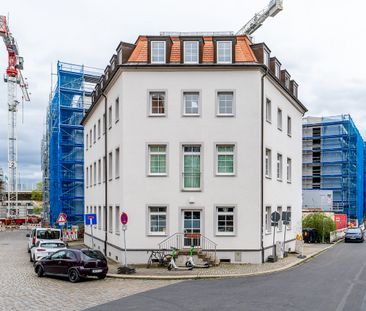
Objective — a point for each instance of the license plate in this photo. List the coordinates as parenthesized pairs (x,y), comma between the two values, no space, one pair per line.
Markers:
(353,238)
(97,270)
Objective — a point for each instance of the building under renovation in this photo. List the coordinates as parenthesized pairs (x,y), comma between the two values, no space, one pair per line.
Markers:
(333,166)
(62,144)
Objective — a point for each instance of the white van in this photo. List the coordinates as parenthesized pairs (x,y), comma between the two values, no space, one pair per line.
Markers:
(42,234)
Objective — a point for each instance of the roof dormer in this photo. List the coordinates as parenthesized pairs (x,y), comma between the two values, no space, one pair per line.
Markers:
(262,53)
(275,67)
(285,79)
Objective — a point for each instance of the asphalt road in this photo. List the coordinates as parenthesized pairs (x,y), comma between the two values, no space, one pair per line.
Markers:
(334,281)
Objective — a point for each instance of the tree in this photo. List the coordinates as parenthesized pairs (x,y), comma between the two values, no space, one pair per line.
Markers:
(320,222)
(37,193)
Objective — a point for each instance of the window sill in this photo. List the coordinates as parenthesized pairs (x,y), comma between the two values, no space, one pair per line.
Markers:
(193,115)
(279,129)
(117,177)
(269,121)
(268,177)
(117,233)
(231,115)
(268,233)
(110,127)
(289,182)
(225,175)
(152,234)
(157,175)
(279,179)
(116,121)
(157,115)
(191,190)
(225,234)
(289,135)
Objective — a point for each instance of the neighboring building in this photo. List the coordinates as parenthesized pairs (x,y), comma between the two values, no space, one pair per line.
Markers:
(333,161)
(23,208)
(198,134)
(63,145)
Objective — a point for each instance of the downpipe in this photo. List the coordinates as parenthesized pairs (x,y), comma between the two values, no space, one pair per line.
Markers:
(105,175)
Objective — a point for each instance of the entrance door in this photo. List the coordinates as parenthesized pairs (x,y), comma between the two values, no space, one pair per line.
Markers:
(192,228)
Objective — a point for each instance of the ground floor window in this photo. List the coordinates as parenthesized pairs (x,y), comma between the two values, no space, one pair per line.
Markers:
(268,219)
(157,220)
(225,220)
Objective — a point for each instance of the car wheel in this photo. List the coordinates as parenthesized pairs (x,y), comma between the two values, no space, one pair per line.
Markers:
(39,271)
(74,276)
(28,251)
(101,276)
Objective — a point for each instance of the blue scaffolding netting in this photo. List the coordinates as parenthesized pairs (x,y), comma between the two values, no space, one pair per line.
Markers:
(334,159)
(65,143)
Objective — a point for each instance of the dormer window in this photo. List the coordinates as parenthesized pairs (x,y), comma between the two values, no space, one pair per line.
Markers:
(287,81)
(266,58)
(277,70)
(224,52)
(294,89)
(158,52)
(191,50)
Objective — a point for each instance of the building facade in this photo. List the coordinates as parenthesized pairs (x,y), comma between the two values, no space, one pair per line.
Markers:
(197,137)
(333,162)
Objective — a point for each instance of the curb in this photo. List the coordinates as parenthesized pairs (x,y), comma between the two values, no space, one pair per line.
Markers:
(221,276)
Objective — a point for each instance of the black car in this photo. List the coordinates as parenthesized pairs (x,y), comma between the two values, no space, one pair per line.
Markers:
(353,235)
(73,263)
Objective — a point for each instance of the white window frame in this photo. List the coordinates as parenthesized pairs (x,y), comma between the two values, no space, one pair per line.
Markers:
(224,92)
(95,174)
(268,220)
(150,106)
(104,123)
(182,170)
(99,129)
(110,165)
(117,162)
(218,43)
(110,219)
(150,153)
(191,92)
(279,119)
(90,176)
(95,134)
(158,213)
(268,163)
(231,153)
(289,170)
(268,110)
(266,57)
(90,138)
(289,126)
(116,110)
(277,70)
(87,176)
(99,218)
(110,116)
(117,222)
(185,52)
(289,226)
(104,171)
(280,224)
(279,167)
(87,141)
(152,48)
(99,171)
(226,213)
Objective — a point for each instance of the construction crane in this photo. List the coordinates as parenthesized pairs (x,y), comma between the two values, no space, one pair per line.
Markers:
(14,78)
(273,8)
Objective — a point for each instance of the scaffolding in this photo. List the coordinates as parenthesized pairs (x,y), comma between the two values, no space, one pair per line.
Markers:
(334,160)
(63,142)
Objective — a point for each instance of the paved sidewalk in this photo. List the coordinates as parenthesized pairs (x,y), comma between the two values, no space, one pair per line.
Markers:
(223,270)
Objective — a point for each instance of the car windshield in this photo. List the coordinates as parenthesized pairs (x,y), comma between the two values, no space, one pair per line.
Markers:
(48,234)
(53,245)
(355,230)
(90,254)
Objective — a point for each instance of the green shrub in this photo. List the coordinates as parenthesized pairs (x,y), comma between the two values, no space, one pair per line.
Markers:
(320,222)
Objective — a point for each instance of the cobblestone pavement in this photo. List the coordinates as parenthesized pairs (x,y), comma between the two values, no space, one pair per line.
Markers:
(230,269)
(21,289)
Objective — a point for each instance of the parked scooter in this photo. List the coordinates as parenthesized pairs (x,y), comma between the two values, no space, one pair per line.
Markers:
(172,265)
(190,262)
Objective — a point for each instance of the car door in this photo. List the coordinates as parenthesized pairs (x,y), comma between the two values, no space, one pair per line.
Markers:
(56,261)
(67,262)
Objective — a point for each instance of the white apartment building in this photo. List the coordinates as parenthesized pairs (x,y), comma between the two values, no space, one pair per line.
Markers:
(198,138)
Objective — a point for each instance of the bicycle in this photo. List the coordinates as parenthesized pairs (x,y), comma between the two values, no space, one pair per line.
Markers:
(158,256)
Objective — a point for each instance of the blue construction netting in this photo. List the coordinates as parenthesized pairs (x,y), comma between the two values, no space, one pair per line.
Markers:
(334,159)
(71,99)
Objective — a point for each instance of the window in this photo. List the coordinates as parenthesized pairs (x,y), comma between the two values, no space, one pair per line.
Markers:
(95,134)
(86,141)
(110,117)
(99,219)
(110,219)
(289,217)
(157,159)
(104,168)
(110,166)
(289,130)
(191,167)
(266,58)
(225,103)
(277,70)
(90,138)
(95,173)
(116,109)
(287,81)
(289,170)
(279,210)
(104,124)
(91,176)
(279,119)
(117,221)
(268,219)
(268,110)
(191,52)
(87,177)
(157,104)
(225,160)
(104,220)
(268,162)
(279,166)
(225,220)
(99,130)
(117,163)
(224,52)
(157,220)
(99,171)
(191,103)
(294,89)
(158,52)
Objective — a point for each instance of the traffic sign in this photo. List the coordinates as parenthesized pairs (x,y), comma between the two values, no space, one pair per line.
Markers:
(62,218)
(124,218)
(90,219)
(275,217)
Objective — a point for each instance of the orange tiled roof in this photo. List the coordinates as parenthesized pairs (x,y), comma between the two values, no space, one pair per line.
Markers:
(243,52)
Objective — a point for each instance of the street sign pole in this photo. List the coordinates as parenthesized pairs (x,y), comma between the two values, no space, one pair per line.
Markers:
(125,269)
(92,236)
(274,242)
(124,240)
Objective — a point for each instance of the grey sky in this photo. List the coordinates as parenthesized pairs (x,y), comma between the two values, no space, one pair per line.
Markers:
(319,42)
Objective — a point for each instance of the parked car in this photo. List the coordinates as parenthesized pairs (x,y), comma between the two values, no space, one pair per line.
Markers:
(354,235)
(74,264)
(42,234)
(45,248)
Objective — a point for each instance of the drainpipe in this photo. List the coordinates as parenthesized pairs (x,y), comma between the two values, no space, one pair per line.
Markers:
(105,175)
(261,159)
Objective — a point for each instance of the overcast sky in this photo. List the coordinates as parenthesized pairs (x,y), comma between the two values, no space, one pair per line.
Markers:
(321,44)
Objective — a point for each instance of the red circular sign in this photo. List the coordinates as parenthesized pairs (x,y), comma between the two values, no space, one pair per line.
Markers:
(124,218)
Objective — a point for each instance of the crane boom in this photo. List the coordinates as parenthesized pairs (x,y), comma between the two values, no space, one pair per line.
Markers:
(14,78)
(273,8)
